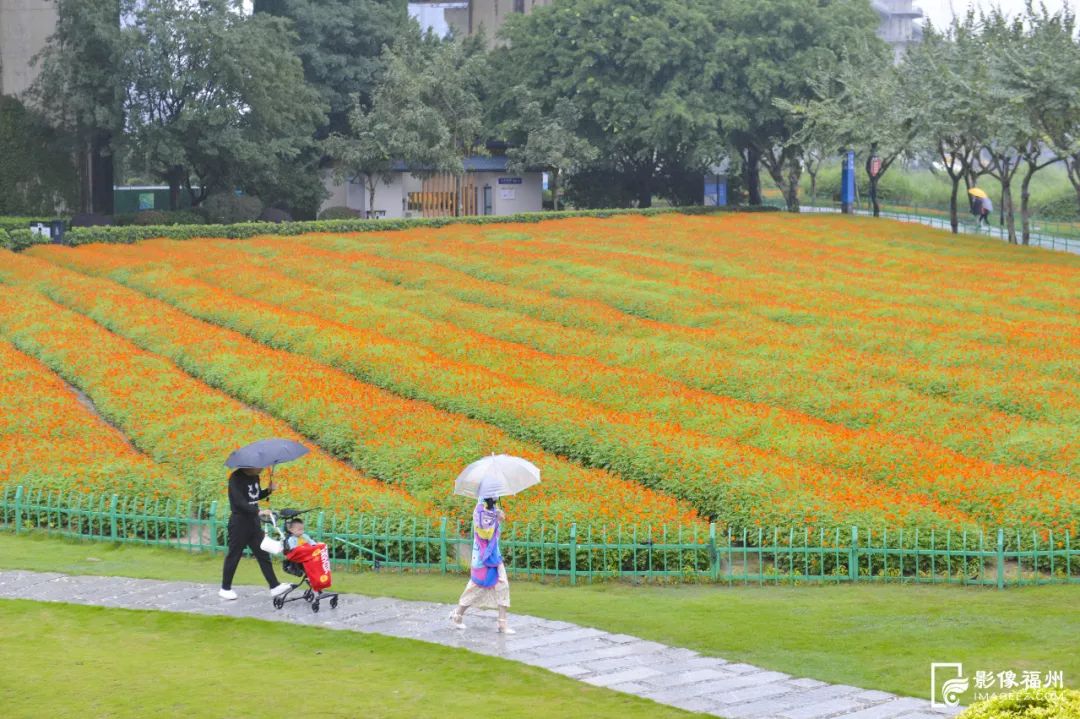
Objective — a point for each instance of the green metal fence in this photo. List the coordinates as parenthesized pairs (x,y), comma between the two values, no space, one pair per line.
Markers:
(574,553)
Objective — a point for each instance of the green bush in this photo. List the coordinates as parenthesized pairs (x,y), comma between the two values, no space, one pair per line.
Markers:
(339,213)
(1061,205)
(133,233)
(21,239)
(1027,704)
(227,208)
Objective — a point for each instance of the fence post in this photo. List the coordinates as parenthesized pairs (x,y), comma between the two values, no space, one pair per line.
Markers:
(714,556)
(573,553)
(442,545)
(113,529)
(213,526)
(1001,559)
(853,555)
(18,508)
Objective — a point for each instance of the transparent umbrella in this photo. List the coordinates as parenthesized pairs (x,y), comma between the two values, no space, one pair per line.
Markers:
(500,474)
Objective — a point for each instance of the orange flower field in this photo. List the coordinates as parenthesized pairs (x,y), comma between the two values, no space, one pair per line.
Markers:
(758,370)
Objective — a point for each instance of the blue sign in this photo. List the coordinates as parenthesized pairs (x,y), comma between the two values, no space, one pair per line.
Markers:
(847,179)
(715,191)
(509,180)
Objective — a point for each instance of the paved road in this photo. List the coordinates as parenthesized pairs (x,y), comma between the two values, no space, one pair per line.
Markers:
(665,674)
(1037,239)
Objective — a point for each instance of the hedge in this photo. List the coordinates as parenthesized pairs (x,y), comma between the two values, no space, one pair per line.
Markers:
(20,239)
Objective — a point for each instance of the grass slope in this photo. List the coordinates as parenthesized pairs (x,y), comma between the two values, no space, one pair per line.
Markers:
(880,636)
(75,661)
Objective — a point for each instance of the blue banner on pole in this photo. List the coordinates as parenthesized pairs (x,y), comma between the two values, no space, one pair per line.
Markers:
(847,182)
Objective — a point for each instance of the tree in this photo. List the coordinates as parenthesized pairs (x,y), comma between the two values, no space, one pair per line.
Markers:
(431,90)
(374,142)
(951,97)
(1044,71)
(339,43)
(215,98)
(1013,138)
(772,49)
(641,72)
(864,105)
(550,141)
(80,91)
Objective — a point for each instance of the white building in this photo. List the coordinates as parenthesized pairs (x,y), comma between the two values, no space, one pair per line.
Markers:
(487,188)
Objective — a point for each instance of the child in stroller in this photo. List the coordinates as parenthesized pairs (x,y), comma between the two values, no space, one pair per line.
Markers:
(305,559)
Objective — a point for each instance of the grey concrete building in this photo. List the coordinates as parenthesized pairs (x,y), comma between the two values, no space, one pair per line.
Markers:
(901,24)
(25,26)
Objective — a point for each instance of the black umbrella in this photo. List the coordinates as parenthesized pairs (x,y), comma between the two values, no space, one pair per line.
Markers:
(266,453)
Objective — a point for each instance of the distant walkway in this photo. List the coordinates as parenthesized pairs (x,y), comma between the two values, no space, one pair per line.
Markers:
(669,675)
(1038,239)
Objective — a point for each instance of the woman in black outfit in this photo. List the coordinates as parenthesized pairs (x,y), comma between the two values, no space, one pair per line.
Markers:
(245,530)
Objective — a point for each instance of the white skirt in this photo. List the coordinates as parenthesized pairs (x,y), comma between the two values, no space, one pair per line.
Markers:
(487,597)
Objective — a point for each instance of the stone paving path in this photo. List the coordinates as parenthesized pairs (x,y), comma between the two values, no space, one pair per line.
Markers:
(668,675)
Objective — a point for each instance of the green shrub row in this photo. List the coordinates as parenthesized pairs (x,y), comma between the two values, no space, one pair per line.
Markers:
(21,238)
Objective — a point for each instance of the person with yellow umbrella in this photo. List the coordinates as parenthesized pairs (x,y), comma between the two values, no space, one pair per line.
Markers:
(981,207)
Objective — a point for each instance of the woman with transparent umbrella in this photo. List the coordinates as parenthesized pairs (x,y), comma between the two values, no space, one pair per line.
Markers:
(487,480)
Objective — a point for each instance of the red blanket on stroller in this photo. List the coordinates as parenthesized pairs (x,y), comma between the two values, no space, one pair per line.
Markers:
(316,563)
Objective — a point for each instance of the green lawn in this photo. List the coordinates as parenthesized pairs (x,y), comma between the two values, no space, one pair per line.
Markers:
(74,661)
(875,636)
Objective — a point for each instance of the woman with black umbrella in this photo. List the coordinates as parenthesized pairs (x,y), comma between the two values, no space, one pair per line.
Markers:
(245,492)
(245,530)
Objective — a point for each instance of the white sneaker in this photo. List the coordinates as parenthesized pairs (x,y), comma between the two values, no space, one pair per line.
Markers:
(226,594)
(503,629)
(280,589)
(457,621)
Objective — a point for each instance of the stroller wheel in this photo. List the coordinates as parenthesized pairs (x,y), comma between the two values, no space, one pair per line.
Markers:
(308,595)
(333,602)
(279,602)
(315,606)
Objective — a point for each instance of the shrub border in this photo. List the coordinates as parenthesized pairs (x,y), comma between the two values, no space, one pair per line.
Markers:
(20,239)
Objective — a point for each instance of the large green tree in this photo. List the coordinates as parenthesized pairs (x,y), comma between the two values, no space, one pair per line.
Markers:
(866,106)
(339,43)
(80,89)
(641,72)
(216,99)
(950,95)
(770,49)
(549,141)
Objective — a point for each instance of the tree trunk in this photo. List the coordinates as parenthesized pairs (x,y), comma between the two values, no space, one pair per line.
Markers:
(101,175)
(457,196)
(86,181)
(1025,210)
(373,184)
(1007,208)
(873,194)
(174,189)
(813,187)
(954,217)
(555,190)
(752,175)
(1072,169)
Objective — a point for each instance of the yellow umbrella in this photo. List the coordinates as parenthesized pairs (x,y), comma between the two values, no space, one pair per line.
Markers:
(977,192)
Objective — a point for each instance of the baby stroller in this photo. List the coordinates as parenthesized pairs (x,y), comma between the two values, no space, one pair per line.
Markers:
(309,562)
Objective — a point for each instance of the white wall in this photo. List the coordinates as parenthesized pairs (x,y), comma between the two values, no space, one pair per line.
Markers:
(391,197)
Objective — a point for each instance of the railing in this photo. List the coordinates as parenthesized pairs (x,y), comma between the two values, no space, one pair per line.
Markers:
(574,553)
(1048,234)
